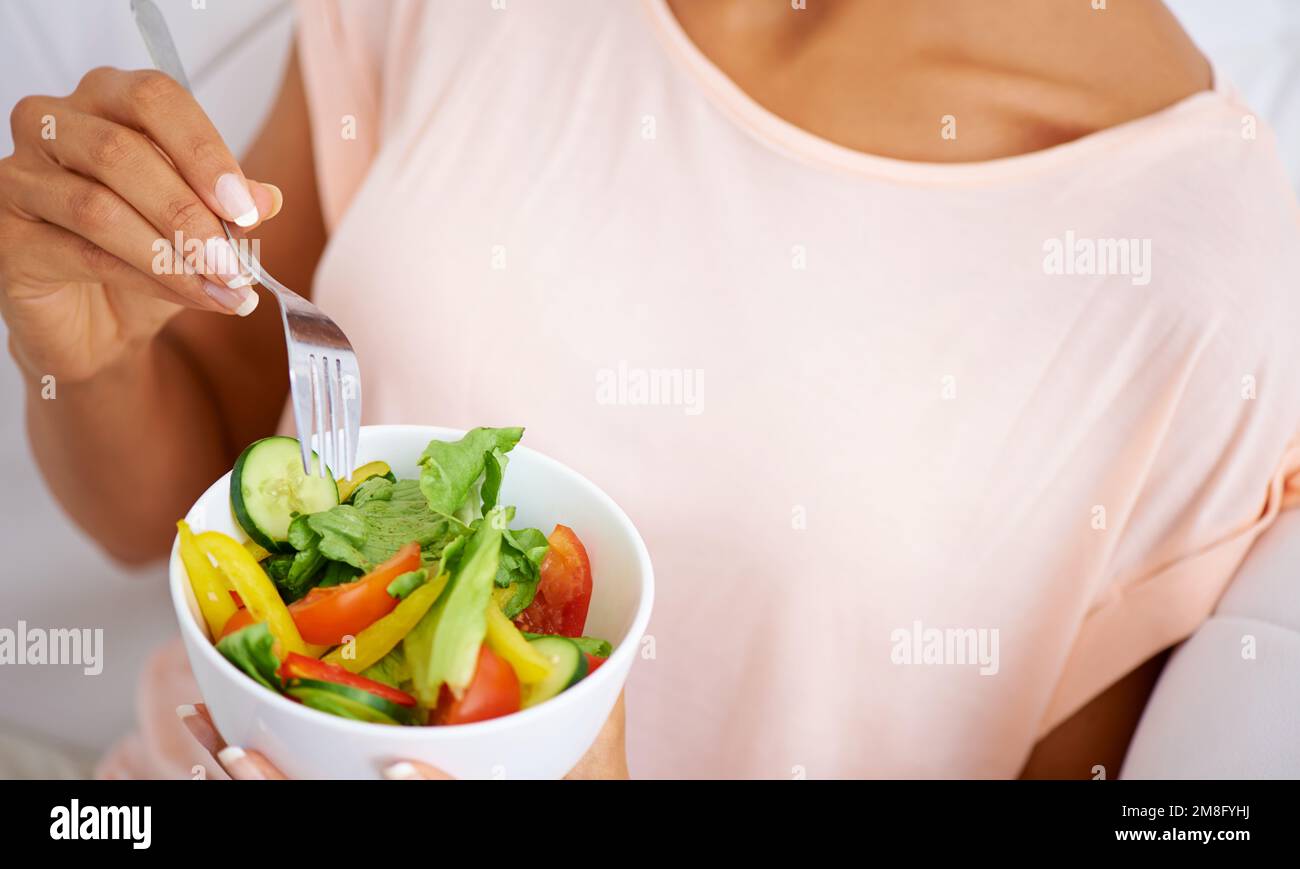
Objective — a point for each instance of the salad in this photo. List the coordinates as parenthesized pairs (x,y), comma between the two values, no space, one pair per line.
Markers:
(404,602)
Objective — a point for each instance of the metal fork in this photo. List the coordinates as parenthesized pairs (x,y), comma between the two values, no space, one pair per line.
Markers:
(324,379)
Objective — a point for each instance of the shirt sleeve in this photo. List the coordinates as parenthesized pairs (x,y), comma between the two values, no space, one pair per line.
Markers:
(1133,623)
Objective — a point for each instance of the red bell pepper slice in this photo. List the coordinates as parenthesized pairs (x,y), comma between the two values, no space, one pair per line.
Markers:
(327,615)
(302,667)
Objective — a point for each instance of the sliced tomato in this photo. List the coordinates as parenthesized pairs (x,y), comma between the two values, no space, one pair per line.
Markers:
(241,619)
(564,592)
(327,615)
(493,692)
(302,667)
(593,663)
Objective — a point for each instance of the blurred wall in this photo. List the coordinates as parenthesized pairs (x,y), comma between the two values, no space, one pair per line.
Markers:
(51,576)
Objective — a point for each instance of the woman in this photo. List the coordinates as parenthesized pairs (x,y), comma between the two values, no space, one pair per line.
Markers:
(994,303)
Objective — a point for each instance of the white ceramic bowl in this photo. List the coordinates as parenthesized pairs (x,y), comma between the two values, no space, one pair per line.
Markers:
(542,742)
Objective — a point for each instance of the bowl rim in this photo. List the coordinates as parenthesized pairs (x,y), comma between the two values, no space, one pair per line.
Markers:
(570,697)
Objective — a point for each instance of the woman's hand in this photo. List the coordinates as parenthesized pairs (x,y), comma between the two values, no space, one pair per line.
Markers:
(91,203)
(606,759)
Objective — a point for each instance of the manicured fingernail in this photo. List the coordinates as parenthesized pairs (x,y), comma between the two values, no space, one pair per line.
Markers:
(401,771)
(240,300)
(220,258)
(231,754)
(199,727)
(238,764)
(232,193)
(277,199)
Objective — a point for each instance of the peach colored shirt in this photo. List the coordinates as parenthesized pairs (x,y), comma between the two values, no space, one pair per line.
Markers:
(897,402)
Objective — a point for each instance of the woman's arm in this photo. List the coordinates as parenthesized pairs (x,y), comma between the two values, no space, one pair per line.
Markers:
(1098,735)
(127,449)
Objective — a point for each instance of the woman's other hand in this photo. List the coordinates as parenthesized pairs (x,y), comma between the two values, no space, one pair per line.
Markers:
(606,759)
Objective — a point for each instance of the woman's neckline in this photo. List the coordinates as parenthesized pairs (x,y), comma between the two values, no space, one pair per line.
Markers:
(798,143)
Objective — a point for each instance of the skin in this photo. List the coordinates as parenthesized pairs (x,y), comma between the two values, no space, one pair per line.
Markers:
(1098,735)
(140,357)
(134,361)
(1018,75)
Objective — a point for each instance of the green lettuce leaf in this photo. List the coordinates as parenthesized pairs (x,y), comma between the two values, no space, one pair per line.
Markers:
(277,566)
(380,489)
(522,551)
(295,574)
(391,669)
(494,471)
(388,477)
(377,523)
(451,471)
(337,573)
(251,649)
(407,583)
(444,646)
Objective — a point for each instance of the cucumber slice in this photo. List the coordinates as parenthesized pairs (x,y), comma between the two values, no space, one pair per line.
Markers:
(348,702)
(268,488)
(593,646)
(568,666)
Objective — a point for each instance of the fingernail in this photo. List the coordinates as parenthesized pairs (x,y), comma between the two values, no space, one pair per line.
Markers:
(277,199)
(221,258)
(232,193)
(237,763)
(198,727)
(231,754)
(401,771)
(240,300)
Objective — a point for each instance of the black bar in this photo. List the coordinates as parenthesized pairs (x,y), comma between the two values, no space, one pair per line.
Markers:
(189,818)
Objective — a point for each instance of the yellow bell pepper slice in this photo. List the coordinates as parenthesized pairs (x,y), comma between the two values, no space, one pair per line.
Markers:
(256,591)
(502,596)
(381,636)
(505,639)
(215,602)
(255,550)
(359,476)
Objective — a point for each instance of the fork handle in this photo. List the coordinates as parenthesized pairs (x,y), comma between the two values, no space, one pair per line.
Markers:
(162,51)
(158,40)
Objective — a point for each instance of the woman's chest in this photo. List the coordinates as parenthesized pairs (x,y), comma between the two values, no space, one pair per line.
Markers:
(844,416)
